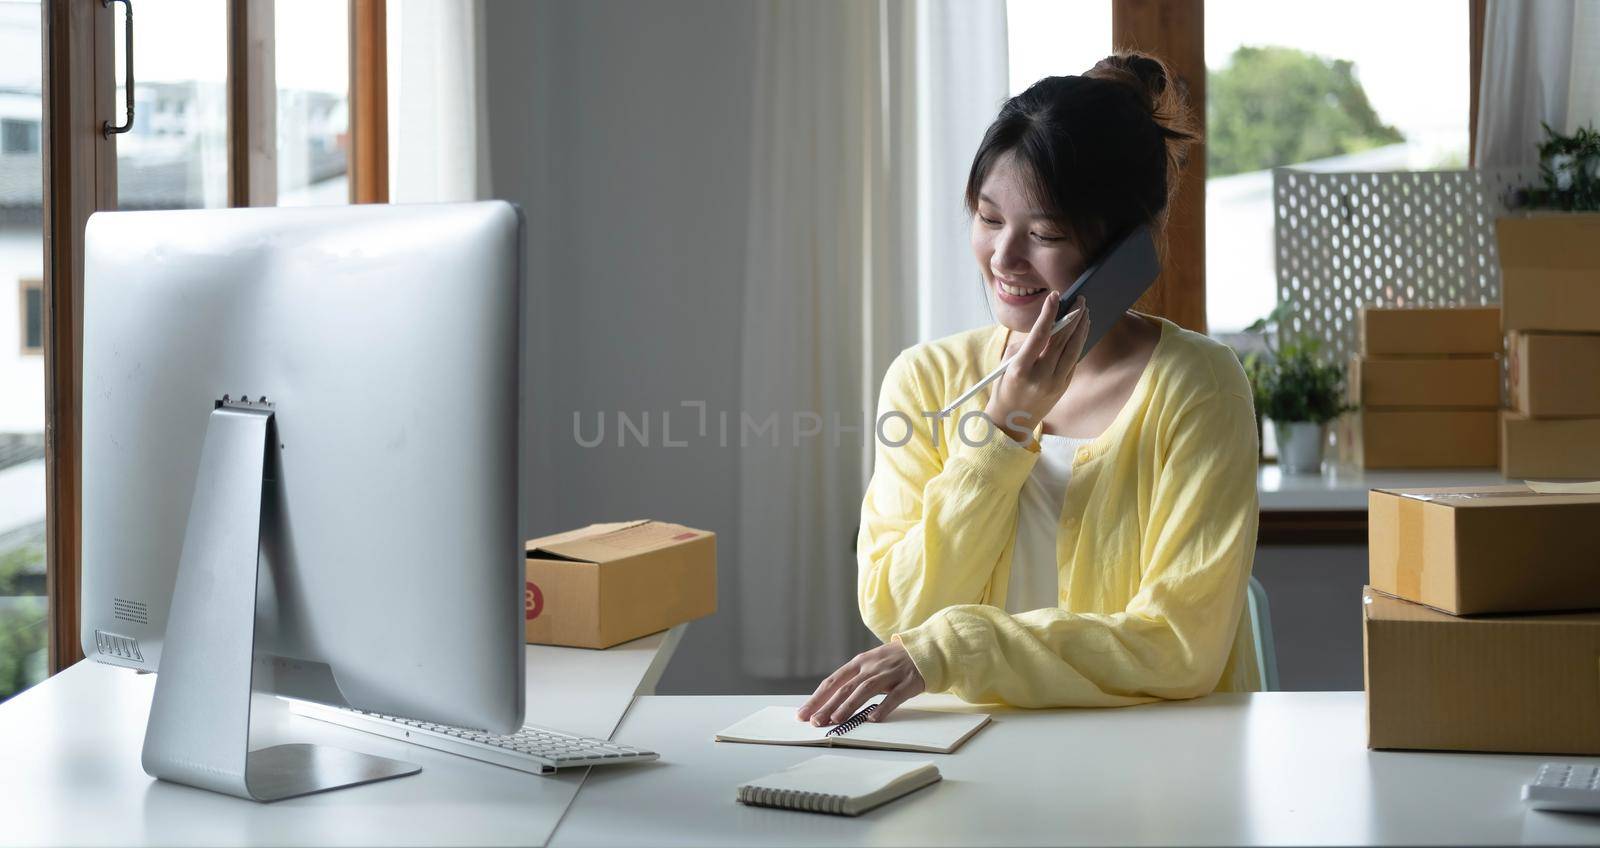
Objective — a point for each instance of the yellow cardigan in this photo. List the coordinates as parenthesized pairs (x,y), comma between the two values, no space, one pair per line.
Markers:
(1156,542)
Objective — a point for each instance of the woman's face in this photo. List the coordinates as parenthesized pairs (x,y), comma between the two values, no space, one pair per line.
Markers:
(1022,254)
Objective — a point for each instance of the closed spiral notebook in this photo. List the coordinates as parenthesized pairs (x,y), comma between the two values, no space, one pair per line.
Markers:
(841,786)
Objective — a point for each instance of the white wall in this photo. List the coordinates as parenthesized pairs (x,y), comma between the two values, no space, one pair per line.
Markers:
(622,127)
(21,377)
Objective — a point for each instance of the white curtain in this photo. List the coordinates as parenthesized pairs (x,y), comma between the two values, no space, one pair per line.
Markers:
(1541,63)
(866,118)
(962,78)
(435,90)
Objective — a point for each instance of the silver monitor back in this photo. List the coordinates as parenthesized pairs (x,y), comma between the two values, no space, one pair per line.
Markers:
(387,339)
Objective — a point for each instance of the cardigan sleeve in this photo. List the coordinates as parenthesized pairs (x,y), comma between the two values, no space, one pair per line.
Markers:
(1173,638)
(933,528)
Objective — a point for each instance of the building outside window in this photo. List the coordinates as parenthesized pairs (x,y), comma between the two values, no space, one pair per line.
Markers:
(313,116)
(19,135)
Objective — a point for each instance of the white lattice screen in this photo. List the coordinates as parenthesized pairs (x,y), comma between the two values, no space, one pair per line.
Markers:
(1396,238)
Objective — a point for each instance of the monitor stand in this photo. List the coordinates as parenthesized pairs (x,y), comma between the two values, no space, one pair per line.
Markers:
(199,730)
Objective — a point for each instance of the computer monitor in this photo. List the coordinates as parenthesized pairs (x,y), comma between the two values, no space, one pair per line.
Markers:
(335,389)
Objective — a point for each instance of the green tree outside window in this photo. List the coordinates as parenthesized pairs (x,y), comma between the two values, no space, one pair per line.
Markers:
(22,621)
(1274,106)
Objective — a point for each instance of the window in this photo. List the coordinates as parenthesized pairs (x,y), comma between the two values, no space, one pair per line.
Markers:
(24,609)
(1049,38)
(1355,86)
(19,135)
(31,310)
(176,155)
(202,137)
(312,39)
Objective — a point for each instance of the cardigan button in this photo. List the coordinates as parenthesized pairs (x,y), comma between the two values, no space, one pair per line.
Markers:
(1083,454)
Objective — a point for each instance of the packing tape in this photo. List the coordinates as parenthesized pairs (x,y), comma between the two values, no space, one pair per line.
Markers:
(1430,497)
(1408,566)
(1534,487)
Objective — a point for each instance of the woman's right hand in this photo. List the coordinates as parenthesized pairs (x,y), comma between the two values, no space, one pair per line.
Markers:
(1040,374)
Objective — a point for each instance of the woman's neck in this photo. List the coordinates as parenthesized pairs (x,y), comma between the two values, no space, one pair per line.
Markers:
(1132,335)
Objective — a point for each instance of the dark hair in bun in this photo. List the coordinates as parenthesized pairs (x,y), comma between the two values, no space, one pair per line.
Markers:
(1103,149)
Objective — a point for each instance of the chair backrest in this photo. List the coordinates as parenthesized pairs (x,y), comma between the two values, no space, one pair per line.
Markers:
(1261,631)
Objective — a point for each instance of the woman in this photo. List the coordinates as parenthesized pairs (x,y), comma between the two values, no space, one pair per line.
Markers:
(1094,549)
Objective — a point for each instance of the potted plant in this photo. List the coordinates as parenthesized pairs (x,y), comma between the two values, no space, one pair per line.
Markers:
(1298,392)
(1550,241)
(1569,173)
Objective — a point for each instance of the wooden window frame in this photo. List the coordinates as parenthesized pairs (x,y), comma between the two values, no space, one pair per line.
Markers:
(252,104)
(369,102)
(80,178)
(23,286)
(1175,31)
(1477,14)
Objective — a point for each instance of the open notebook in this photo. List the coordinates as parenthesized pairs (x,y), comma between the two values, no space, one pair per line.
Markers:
(844,786)
(904,730)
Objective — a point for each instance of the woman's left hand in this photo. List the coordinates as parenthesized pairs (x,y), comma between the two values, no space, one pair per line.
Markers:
(885,670)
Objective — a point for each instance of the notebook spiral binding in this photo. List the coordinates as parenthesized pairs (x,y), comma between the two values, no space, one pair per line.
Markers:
(852,722)
(792,799)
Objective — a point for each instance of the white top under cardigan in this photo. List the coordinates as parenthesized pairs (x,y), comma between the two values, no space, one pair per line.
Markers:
(1035,581)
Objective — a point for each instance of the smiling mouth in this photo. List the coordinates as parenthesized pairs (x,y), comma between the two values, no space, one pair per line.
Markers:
(1017,291)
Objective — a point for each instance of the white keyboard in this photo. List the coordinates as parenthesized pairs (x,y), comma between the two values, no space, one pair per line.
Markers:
(1564,787)
(530,749)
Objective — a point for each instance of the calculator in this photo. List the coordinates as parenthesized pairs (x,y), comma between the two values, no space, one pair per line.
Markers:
(1565,787)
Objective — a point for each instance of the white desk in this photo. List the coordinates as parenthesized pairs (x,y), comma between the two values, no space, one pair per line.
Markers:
(1269,769)
(70,774)
(1342,487)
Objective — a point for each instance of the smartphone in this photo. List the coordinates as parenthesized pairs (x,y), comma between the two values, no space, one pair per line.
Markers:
(1113,284)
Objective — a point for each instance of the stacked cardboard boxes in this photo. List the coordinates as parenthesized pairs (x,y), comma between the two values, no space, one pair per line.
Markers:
(1482,620)
(1551,296)
(1427,388)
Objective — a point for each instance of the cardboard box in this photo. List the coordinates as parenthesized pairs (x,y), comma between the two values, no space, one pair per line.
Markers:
(608,583)
(1508,684)
(1420,438)
(1550,271)
(1555,375)
(1486,549)
(1549,448)
(1426,382)
(1403,332)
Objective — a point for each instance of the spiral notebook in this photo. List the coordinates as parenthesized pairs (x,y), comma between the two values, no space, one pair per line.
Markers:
(843,786)
(905,730)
